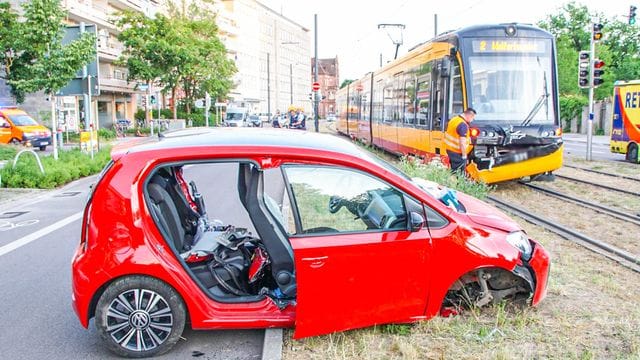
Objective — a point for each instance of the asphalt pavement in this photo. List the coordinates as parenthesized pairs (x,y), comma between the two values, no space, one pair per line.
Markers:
(39,232)
(575,145)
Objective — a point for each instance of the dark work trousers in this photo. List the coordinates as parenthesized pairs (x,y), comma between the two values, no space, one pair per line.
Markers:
(458,164)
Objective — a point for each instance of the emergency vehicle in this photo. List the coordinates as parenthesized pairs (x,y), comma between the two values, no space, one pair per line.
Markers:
(625,125)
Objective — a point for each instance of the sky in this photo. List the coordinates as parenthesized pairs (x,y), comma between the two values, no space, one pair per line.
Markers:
(349,30)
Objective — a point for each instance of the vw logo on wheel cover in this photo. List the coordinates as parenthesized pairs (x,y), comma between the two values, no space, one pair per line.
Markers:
(139,319)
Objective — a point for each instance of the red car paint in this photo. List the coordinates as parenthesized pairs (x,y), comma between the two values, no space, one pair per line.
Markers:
(345,281)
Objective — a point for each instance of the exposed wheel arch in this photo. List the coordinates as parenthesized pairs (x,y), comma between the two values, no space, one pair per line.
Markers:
(490,285)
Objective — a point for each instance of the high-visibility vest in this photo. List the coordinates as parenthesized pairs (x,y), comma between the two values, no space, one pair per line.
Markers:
(451,137)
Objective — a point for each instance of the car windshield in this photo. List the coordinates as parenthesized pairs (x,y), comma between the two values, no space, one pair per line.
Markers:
(22,120)
(511,82)
(234,116)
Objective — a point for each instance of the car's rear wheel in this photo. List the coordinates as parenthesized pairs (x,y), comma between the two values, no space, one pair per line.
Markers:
(139,316)
(15,141)
(43,147)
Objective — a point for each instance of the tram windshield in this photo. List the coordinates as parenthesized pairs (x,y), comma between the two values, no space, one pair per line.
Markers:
(511,81)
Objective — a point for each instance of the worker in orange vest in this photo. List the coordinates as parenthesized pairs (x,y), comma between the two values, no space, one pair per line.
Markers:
(458,140)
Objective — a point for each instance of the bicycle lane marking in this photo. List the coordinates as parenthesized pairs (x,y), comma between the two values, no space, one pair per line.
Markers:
(38,234)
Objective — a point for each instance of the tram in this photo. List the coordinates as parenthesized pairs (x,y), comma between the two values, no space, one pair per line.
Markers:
(506,72)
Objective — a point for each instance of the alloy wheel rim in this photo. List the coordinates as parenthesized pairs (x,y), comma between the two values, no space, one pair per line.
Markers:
(139,320)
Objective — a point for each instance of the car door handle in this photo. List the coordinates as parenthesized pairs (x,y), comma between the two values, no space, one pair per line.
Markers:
(315,262)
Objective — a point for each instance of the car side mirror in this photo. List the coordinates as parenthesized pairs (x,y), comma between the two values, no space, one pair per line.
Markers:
(417,221)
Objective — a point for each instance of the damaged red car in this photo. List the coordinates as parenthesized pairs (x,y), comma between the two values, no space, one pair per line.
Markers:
(255,228)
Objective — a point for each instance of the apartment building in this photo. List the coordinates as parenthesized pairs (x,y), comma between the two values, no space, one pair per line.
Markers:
(328,76)
(271,53)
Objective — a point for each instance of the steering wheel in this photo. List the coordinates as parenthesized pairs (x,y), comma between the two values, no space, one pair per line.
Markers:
(335,204)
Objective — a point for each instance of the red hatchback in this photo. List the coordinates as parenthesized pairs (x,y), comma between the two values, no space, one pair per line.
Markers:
(253,228)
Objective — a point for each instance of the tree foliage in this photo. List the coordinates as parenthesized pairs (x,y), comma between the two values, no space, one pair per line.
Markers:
(179,51)
(345,83)
(619,49)
(31,51)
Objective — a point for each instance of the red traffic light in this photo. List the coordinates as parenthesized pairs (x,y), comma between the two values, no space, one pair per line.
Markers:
(597,64)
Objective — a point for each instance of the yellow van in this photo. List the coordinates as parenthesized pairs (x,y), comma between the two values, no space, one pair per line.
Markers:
(17,127)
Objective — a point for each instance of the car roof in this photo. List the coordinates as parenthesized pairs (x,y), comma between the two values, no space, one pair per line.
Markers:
(242,137)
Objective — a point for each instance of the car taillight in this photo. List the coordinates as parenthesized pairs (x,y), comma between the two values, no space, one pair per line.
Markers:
(84,238)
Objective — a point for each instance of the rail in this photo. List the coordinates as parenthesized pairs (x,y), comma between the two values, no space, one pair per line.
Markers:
(621,215)
(601,172)
(611,252)
(598,185)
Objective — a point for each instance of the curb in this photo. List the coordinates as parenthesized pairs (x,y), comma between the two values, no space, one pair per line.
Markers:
(272,346)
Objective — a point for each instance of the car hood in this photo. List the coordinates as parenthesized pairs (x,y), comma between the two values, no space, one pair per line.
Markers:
(484,214)
(33,128)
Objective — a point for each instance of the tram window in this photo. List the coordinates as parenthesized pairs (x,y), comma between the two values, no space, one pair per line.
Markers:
(388,105)
(409,110)
(457,105)
(423,99)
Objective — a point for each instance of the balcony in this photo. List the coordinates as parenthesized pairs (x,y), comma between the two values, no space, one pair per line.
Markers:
(80,11)
(109,52)
(135,5)
(109,84)
(227,26)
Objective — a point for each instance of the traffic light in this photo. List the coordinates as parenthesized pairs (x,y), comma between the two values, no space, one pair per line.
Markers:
(311,96)
(598,71)
(153,100)
(597,32)
(583,69)
(632,14)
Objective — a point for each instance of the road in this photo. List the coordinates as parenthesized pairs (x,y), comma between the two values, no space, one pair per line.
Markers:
(575,145)
(37,240)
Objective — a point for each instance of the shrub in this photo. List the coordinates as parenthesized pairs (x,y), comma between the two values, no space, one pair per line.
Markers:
(107,134)
(443,176)
(71,165)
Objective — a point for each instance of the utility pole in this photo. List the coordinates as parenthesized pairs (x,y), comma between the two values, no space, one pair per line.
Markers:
(594,81)
(268,85)
(316,122)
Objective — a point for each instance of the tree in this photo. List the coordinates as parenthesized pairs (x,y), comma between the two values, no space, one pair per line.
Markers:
(177,51)
(345,83)
(32,54)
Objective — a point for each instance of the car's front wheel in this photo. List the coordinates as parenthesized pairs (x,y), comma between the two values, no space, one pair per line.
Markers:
(139,316)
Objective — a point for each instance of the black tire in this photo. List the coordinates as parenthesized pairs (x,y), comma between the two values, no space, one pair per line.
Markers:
(632,153)
(43,147)
(135,337)
(15,141)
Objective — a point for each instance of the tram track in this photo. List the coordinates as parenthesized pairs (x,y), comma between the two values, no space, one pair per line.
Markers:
(612,252)
(569,178)
(621,215)
(600,172)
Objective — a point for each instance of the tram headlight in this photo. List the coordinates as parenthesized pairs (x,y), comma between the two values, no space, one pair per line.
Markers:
(511,30)
(520,241)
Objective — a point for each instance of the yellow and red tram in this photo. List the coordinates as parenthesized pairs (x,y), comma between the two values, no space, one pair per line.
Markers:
(507,72)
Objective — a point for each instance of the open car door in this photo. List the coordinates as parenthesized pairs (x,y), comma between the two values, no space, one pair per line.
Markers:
(354,271)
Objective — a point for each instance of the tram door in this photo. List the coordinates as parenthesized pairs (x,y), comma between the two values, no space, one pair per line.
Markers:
(439,118)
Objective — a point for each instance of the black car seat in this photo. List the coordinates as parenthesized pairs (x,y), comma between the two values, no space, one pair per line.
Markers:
(188,217)
(270,231)
(165,211)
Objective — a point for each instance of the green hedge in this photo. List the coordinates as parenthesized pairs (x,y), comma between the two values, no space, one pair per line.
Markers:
(7,152)
(71,165)
(443,176)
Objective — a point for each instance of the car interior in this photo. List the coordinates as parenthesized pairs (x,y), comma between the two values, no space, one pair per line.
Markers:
(229,262)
